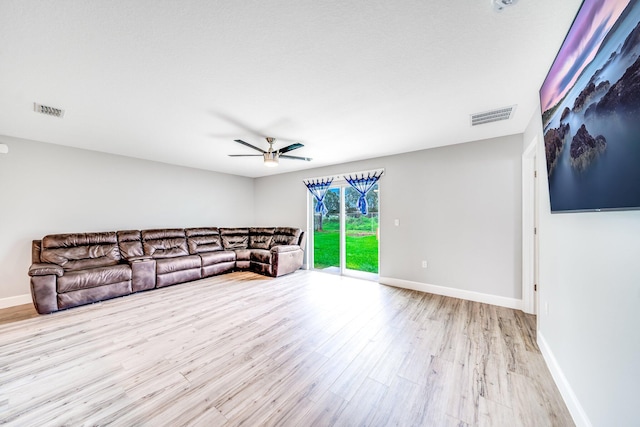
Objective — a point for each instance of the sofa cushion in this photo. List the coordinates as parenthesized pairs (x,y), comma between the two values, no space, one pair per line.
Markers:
(211,258)
(243,254)
(93,277)
(45,269)
(165,243)
(202,240)
(36,247)
(286,236)
(130,244)
(79,251)
(285,248)
(89,295)
(261,255)
(260,238)
(170,265)
(235,238)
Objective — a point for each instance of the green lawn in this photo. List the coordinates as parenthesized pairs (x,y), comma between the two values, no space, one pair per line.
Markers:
(362,249)
(326,249)
(362,253)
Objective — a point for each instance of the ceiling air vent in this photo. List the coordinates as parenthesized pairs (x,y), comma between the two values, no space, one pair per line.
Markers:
(50,111)
(492,116)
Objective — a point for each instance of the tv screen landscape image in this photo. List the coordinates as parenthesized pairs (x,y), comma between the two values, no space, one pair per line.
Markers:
(590,102)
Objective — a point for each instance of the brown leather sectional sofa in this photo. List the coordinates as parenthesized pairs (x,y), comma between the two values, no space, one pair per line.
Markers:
(81,268)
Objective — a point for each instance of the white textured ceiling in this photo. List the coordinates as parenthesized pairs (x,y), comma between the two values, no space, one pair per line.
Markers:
(178,81)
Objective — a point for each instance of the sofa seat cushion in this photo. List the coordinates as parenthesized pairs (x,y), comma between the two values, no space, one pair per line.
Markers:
(211,258)
(87,296)
(261,255)
(170,265)
(93,277)
(243,254)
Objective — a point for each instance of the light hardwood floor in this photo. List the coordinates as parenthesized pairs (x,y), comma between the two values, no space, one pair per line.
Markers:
(306,349)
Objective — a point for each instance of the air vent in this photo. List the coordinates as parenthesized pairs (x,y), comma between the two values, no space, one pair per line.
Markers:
(50,111)
(492,116)
(499,5)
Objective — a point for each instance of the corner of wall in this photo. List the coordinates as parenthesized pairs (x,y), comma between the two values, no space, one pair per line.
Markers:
(571,400)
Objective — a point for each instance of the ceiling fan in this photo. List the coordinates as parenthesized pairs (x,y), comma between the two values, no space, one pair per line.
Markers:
(271,156)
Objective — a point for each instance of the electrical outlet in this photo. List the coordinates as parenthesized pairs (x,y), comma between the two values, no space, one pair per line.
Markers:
(546,308)
(424,264)
(396,222)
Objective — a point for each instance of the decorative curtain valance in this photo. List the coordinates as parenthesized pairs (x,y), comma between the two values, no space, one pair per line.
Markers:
(318,188)
(362,184)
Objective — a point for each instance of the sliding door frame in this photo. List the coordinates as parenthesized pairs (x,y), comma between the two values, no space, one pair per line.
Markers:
(342,185)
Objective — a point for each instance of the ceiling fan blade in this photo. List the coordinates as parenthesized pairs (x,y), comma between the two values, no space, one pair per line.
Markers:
(306,159)
(239,141)
(290,147)
(245,155)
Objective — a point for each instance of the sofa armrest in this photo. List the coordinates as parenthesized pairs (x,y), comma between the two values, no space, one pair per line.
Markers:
(285,259)
(45,269)
(143,273)
(284,248)
(44,293)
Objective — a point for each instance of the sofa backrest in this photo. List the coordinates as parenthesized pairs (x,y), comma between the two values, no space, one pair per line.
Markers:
(302,242)
(286,236)
(36,247)
(261,237)
(164,242)
(79,251)
(234,238)
(205,239)
(130,243)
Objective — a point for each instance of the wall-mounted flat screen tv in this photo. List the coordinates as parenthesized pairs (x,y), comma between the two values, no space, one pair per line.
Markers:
(590,103)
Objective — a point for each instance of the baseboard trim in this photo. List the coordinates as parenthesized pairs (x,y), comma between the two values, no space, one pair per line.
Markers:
(453,292)
(13,301)
(570,399)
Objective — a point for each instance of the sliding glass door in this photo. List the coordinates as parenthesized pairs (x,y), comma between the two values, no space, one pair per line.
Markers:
(326,233)
(361,232)
(344,240)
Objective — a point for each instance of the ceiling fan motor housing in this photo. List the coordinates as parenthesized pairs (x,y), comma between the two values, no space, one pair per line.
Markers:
(272,157)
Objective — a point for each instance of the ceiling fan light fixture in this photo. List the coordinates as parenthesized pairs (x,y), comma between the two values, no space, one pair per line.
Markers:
(271,159)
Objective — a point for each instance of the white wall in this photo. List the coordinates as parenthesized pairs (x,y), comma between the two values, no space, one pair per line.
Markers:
(459,208)
(46,188)
(590,279)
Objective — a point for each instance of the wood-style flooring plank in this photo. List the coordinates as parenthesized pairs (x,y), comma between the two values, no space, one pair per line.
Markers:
(300,350)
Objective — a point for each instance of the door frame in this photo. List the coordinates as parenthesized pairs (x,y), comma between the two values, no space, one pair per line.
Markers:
(342,185)
(530,228)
